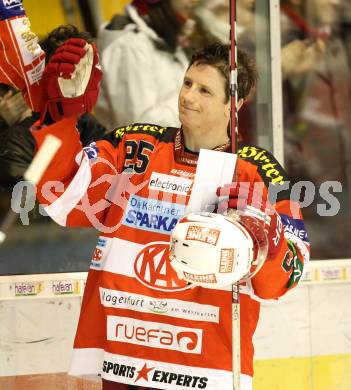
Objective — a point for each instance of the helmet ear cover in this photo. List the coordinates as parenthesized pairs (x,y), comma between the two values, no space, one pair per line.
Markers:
(213,250)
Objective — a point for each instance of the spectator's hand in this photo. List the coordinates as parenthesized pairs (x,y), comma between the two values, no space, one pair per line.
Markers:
(299,57)
(13,108)
(71,80)
(258,215)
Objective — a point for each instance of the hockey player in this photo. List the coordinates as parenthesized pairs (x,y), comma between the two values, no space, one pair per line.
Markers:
(140,325)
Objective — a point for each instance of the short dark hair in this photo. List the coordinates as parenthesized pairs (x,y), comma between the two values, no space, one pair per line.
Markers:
(217,55)
(59,35)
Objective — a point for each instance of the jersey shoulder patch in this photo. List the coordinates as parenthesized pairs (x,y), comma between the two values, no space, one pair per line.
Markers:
(162,134)
(267,165)
(158,132)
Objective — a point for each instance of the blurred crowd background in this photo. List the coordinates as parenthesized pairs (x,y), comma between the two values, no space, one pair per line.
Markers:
(144,52)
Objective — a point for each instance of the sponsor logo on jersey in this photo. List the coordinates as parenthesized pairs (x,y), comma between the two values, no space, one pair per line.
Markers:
(294,226)
(147,372)
(28,45)
(159,307)
(180,172)
(101,242)
(91,150)
(152,215)
(153,268)
(169,183)
(292,264)
(170,307)
(203,234)
(98,253)
(179,379)
(119,133)
(270,170)
(35,73)
(118,369)
(154,334)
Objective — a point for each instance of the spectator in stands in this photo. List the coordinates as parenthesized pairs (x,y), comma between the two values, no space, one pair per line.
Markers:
(19,118)
(213,15)
(212,22)
(317,116)
(345,25)
(143,58)
(13,108)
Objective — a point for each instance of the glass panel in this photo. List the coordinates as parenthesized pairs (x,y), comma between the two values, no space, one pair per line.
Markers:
(255,118)
(43,246)
(316,55)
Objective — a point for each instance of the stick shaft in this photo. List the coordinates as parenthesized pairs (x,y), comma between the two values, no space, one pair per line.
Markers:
(233,78)
(236,353)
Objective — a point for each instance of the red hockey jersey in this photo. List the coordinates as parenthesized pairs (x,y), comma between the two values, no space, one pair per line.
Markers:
(139,323)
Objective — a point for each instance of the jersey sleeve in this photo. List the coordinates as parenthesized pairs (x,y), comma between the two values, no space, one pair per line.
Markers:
(84,185)
(282,273)
(22,61)
(76,188)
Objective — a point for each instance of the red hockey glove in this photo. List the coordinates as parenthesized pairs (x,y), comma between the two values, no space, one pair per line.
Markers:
(71,80)
(257,212)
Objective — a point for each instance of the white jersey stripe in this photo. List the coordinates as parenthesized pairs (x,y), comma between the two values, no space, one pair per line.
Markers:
(60,208)
(125,252)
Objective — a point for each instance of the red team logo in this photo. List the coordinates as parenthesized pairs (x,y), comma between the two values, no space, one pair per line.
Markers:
(153,268)
(97,256)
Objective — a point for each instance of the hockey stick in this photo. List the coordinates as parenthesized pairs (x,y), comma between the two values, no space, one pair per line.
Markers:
(33,174)
(236,354)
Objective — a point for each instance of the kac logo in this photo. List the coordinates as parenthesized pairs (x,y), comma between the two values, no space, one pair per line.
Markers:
(153,268)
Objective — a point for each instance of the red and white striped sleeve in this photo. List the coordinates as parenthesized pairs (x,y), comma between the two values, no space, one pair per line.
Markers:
(22,61)
(75,188)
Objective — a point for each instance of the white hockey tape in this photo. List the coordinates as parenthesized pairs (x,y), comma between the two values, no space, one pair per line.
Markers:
(42,159)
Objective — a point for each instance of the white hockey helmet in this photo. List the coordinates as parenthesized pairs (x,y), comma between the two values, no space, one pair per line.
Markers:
(213,250)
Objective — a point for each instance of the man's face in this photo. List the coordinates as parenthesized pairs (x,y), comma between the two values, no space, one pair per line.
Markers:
(202,102)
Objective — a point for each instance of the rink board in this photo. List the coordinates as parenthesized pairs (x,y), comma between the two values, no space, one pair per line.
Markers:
(317,372)
(302,341)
